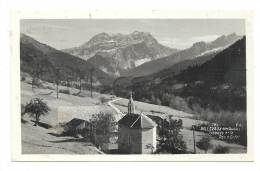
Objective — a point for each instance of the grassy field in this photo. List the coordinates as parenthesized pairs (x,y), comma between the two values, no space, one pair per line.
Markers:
(65,107)
(162,111)
(38,140)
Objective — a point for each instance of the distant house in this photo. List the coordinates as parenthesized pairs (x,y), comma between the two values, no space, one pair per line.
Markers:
(80,127)
(137,132)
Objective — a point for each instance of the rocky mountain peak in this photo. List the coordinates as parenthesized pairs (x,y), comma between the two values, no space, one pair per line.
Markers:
(232,36)
(140,33)
(225,40)
(102,35)
(199,47)
(199,44)
(99,38)
(121,51)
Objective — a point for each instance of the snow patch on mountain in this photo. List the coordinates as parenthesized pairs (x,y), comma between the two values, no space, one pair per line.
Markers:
(215,50)
(141,61)
(104,69)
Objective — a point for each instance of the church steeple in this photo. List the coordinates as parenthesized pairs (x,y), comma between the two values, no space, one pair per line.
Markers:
(131,105)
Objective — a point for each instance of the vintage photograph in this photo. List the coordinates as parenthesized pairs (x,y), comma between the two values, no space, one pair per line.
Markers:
(133,86)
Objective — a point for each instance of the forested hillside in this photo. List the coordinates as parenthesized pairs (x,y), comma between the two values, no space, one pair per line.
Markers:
(43,61)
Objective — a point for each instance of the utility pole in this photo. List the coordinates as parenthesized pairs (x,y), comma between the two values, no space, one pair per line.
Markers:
(57,80)
(91,81)
(57,90)
(91,77)
(194,138)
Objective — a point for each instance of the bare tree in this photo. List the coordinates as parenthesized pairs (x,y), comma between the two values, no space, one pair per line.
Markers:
(81,75)
(68,77)
(38,69)
(91,71)
(57,78)
(36,76)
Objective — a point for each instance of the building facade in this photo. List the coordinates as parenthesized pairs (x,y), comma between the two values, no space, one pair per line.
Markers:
(137,132)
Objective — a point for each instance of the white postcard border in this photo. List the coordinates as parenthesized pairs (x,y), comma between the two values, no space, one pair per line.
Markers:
(15,82)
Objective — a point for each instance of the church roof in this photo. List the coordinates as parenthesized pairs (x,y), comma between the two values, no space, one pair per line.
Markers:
(139,121)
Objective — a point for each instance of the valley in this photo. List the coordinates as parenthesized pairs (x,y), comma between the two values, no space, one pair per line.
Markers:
(39,140)
(176,94)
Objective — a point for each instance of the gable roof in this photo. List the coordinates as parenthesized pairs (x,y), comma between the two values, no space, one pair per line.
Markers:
(139,121)
(77,124)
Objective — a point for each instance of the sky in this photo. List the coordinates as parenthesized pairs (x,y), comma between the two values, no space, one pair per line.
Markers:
(175,33)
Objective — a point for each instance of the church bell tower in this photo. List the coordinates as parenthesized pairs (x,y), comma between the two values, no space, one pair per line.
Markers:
(131,105)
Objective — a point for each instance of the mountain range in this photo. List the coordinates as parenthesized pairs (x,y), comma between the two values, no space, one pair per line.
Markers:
(116,53)
(134,57)
(215,82)
(198,49)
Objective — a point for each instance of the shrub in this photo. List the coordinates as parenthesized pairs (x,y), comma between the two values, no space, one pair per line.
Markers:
(179,103)
(220,150)
(49,87)
(204,143)
(170,139)
(145,100)
(158,101)
(64,91)
(105,124)
(155,100)
(37,82)
(166,98)
(103,99)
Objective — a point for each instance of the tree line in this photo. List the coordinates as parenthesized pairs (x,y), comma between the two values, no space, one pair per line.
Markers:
(61,75)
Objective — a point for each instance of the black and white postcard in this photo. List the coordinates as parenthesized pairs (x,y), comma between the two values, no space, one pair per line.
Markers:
(165,86)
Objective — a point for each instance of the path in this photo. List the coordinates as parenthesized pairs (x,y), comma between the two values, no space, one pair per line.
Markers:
(110,103)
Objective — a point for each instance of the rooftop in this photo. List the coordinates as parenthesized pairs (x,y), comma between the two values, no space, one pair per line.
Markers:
(138,121)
